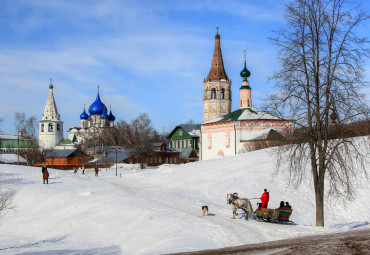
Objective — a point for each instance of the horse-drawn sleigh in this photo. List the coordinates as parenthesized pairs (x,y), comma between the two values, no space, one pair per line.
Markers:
(279,215)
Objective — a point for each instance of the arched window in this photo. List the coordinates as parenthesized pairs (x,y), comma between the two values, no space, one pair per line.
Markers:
(213,94)
(42,127)
(58,127)
(50,127)
(223,93)
(249,104)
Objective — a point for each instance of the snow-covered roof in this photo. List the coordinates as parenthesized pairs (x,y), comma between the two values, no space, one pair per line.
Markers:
(192,129)
(245,114)
(58,153)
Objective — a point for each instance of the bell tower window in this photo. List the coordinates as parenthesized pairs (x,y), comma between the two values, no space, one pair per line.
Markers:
(50,127)
(42,127)
(222,94)
(213,94)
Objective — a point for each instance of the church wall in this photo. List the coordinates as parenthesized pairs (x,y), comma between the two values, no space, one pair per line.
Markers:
(217,140)
(229,138)
(48,139)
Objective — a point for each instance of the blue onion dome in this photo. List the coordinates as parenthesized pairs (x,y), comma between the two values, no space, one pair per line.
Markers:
(84,115)
(97,107)
(111,116)
(104,115)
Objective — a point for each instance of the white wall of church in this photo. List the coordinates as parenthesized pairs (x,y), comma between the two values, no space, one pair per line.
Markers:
(218,142)
(48,138)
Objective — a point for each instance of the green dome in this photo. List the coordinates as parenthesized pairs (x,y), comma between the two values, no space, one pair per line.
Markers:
(50,86)
(245,72)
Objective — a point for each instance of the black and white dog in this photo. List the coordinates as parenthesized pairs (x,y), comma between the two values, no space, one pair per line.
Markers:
(205,209)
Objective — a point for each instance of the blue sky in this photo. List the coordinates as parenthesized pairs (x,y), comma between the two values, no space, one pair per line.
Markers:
(147,56)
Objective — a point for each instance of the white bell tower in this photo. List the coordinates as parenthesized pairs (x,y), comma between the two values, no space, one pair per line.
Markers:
(50,127)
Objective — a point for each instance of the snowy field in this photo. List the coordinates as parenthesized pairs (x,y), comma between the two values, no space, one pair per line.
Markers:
(158,210)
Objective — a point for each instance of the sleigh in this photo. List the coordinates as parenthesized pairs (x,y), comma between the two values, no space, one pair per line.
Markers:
(279,215)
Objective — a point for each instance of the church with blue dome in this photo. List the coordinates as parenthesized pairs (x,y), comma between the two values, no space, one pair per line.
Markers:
(95,120)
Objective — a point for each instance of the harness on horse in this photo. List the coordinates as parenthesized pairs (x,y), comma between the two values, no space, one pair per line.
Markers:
(231,200)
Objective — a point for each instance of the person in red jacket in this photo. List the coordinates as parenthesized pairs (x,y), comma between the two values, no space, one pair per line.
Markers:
(265,198)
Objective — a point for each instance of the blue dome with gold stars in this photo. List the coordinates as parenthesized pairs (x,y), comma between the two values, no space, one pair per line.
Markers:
(104,115)
(97,107)
(84,115)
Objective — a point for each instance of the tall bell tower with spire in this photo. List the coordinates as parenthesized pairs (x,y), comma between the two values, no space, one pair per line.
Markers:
(217,87)
(50,127)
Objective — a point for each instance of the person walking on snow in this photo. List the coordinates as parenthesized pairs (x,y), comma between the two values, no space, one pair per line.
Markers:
(45,174)
(96,170)
(265,198)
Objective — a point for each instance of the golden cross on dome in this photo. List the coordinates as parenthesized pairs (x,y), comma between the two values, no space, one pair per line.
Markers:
(245,55)
(51,80)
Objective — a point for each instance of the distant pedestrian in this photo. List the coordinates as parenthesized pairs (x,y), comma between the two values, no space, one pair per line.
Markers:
(45,174)
(75,170)
(83,169)
(96,170)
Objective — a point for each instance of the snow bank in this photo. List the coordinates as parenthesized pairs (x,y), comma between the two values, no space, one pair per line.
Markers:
(158,210)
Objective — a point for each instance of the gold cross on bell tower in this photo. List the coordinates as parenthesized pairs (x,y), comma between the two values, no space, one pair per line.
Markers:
(217,29)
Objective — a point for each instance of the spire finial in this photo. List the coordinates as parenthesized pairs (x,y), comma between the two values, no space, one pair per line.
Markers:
(51,84)
(217,29)
(98,88)
(245,55)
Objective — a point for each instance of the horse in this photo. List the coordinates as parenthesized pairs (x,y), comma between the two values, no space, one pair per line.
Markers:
(239,203)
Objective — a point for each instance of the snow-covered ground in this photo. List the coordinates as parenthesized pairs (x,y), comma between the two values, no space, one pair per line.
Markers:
(158,210)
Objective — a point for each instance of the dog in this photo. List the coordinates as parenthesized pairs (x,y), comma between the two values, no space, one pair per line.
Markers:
(205,209)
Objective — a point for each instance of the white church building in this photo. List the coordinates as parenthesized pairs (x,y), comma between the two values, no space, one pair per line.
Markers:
(226,133)
(92,123)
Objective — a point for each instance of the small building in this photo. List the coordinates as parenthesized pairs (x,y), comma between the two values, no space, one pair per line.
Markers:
(65,159)
(160,155)
(185,136)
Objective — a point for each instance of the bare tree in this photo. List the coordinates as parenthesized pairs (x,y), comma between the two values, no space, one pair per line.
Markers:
(322,58)
(28,128)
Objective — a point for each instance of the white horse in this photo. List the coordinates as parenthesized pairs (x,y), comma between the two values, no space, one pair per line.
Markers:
(239,203)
